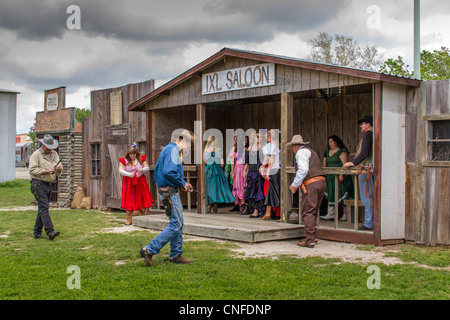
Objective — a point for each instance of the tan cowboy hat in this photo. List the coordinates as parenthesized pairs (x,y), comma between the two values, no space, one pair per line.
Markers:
(297,139)
(49,142)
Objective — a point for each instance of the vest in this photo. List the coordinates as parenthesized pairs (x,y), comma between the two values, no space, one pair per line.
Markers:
(367,160)
(315,166)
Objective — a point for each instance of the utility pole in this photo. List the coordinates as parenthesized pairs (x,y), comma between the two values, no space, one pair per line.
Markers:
(417,39)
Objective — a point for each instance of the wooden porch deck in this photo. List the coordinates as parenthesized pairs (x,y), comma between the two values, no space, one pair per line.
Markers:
(227,226)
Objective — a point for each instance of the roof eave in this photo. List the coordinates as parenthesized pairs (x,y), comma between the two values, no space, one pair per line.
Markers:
(139,104)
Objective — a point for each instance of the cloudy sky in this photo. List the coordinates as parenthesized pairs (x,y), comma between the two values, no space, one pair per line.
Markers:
(121,42)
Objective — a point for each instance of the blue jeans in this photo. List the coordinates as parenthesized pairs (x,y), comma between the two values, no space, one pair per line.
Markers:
(173,233)
(367,201)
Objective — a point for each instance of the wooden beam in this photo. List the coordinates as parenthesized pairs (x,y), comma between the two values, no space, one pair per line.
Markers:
(200,146)
(286,126)
(378,121)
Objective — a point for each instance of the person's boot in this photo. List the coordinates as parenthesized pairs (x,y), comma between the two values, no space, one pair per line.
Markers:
(129,219)
(147,256)
(53,235)
(180,260)
(330,213)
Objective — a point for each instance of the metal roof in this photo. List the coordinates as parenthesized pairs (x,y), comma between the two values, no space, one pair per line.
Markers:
(8,91)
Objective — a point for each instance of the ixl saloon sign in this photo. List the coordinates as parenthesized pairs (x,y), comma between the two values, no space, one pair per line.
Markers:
(240,78)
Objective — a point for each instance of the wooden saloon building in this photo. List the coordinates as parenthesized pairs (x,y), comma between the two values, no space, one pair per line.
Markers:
(241,89)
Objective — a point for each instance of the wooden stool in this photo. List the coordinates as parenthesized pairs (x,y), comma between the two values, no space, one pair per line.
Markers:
(348,204)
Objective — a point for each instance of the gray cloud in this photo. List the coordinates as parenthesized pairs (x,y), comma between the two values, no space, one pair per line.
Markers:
(217,20)
(33,20)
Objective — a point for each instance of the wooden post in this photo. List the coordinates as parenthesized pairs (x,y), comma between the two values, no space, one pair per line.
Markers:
(336,200)
(200,146)
(188,194)
(378,111)
(356,214)
(287,115)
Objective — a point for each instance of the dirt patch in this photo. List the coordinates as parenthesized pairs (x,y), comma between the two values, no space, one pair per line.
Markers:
(346,252)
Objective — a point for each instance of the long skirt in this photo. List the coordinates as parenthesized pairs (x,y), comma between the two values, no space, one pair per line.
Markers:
(345,189)
(217,189)
(273,192)
(239,183)
(135,194)
(254,193)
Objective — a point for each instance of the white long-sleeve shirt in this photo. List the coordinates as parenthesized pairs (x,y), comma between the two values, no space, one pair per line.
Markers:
(302,158)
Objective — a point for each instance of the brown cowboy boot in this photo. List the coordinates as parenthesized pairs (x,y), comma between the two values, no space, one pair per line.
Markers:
(180,260)
(148,258)
(129,219)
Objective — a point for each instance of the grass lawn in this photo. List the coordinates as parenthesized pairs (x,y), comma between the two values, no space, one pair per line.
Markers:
(15,193)
(110,267)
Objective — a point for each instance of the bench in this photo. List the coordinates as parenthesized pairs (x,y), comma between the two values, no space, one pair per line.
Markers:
(348,204)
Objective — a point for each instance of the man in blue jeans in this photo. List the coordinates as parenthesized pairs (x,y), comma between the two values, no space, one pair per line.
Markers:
(168,177)
(365,158)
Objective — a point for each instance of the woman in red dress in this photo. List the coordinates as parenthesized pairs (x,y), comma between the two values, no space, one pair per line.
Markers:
(135,192)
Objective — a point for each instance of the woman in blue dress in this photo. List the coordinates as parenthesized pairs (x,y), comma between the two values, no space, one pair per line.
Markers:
(217,187)
(254,192)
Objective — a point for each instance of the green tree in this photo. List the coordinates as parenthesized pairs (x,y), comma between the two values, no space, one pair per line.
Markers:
(81,114)
(32,135)
(344,51)
(396,67)
(433,65)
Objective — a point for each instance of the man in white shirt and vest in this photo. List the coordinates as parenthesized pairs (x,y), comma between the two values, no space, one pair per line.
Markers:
(311,178)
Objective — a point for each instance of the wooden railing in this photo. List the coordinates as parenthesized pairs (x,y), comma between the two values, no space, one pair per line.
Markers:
(187,169)
(337,172)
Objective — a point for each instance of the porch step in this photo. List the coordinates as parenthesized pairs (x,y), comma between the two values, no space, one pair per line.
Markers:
(226,226)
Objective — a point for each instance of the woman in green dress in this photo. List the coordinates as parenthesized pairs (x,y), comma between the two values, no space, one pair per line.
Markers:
(336,156)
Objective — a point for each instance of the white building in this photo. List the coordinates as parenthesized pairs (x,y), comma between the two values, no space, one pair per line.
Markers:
(8,108)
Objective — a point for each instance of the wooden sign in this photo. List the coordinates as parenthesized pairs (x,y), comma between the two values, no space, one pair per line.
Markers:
(116,107)
(52,101)
(260,75)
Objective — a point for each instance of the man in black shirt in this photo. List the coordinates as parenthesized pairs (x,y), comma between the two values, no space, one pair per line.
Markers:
(365,158)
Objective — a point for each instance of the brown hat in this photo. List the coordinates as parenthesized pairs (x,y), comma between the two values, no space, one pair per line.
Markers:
(297,139)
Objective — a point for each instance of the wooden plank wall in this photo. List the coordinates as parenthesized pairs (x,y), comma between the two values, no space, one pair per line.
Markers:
(314,119)
(288,79)
(427,186)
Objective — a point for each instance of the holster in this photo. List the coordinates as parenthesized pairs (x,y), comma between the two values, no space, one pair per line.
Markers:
(165,194)
(34,190)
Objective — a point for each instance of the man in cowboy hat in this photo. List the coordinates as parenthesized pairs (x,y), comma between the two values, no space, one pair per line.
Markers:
(365,158)
(169,178)
(45,167)
(311,178)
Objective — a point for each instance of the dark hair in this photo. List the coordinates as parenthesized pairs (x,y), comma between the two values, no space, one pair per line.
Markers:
(132,149)
(338,141)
